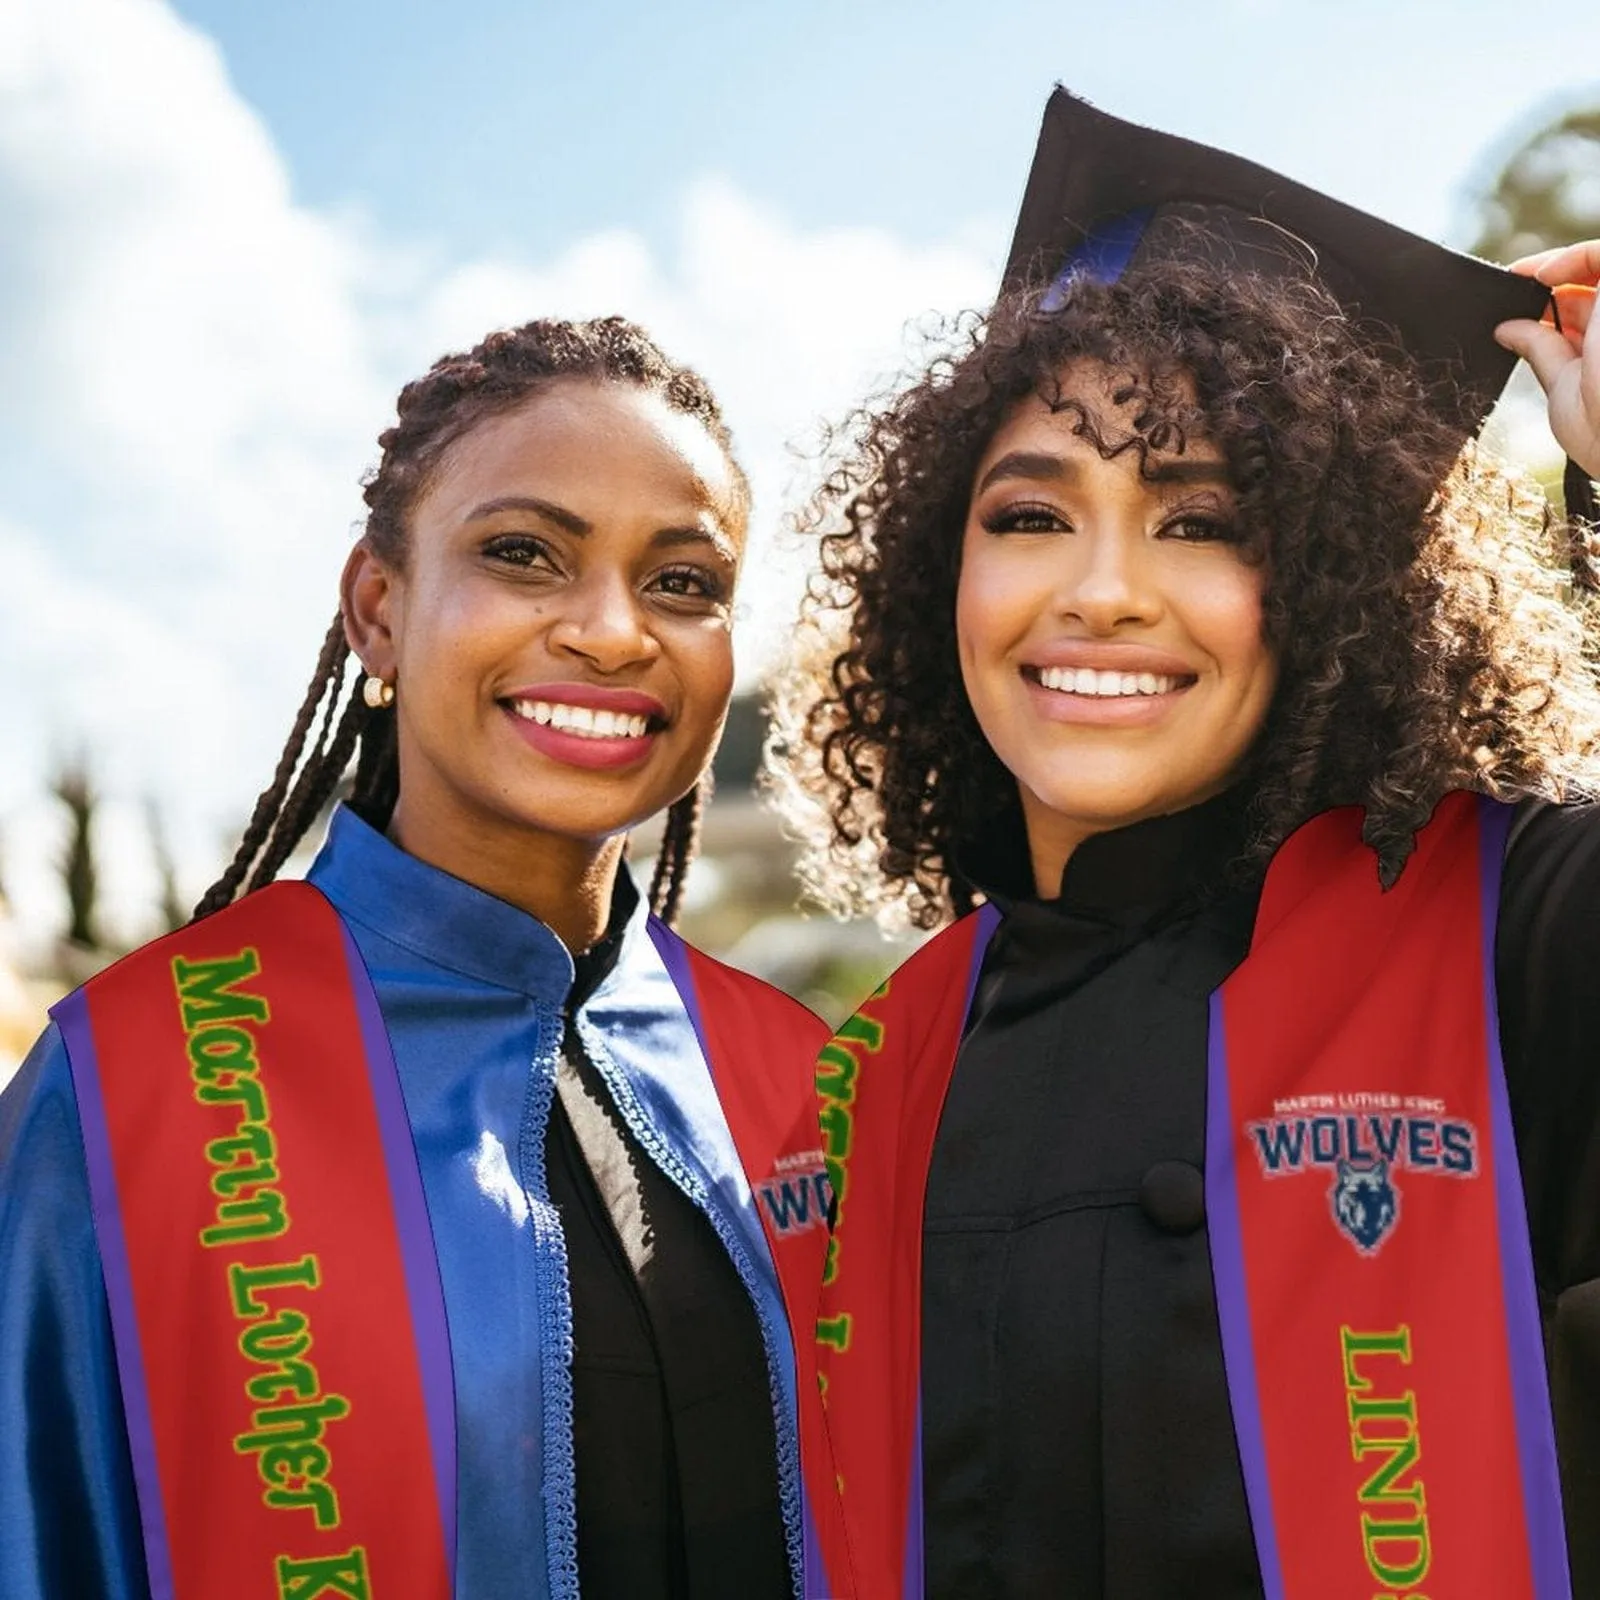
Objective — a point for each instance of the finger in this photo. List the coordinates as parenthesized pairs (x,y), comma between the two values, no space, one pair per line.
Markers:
(1575,303)
(1545,350)
(1528,266)
(1572,263)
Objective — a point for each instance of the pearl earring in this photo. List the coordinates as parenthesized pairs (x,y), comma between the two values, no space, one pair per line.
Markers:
(376,692)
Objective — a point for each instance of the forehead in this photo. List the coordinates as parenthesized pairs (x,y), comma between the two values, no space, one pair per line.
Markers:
(1084,406)
(589,446)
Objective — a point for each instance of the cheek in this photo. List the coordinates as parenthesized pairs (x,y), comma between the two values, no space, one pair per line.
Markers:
(1224,617)
(705,670)
(445,623)
(1229,626)
(994,602)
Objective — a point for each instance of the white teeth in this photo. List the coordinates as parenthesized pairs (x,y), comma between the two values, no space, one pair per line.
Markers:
(584,721)
(1105,685)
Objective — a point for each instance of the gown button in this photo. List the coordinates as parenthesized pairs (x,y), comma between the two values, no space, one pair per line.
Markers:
(1173,1196)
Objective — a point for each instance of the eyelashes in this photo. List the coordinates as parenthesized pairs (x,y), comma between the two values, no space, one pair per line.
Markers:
(1026,519)
(1202,528)
(517,549)
(1208,526)
(692,583)
(684,584)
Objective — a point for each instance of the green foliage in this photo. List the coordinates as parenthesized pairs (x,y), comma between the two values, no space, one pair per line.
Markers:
(1547,192)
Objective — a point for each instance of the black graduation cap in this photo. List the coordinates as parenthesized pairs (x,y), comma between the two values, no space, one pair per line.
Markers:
(1102,195)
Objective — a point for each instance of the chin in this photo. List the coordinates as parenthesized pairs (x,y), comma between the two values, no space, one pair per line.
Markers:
(587,822)
(585,810)
(1116,802)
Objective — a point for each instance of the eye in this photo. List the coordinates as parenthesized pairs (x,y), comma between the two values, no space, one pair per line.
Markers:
(1201,527)
(1026,518)
(519,550)
(690,582)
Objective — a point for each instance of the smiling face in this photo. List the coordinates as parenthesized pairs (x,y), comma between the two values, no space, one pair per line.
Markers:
(1108,623)
(559,635)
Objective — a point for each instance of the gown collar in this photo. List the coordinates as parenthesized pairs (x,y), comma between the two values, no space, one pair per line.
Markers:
(1144,868)
(454,925)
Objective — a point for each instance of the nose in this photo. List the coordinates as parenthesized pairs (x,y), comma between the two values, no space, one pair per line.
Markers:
(603,621)
(1109,580)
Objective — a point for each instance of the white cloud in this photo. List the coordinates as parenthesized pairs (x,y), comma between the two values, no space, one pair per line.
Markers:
(193,368)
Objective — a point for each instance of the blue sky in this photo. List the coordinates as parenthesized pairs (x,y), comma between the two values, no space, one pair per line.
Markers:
(233,229)
(511,125)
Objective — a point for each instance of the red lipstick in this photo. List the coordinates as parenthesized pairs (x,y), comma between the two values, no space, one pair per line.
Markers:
(586,724)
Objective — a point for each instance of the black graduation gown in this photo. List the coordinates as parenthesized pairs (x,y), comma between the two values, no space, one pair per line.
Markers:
(1077,1435)
(673,1436)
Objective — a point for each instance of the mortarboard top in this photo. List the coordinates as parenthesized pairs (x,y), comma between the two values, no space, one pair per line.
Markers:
(1100,188)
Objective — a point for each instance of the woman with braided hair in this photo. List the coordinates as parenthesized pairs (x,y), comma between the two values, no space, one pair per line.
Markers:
(1218,1189)
(425,1227)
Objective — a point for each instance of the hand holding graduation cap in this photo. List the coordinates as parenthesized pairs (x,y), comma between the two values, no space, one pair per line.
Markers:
(1566,361)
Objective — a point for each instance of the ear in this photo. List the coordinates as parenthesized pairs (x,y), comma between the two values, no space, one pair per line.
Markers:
(369,602)
(1343,1168)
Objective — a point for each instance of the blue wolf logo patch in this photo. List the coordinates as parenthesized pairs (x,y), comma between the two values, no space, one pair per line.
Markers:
(1365,1203)
(1366,1145)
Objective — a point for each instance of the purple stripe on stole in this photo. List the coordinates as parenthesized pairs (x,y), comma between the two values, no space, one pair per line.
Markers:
(424,1290)
(1536,1443)
(987,919)
(814,1573)
(72,1017)
(911,1583)
(1233,1303)
(675,958)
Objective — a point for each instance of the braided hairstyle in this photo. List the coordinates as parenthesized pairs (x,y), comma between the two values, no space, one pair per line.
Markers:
(457,393)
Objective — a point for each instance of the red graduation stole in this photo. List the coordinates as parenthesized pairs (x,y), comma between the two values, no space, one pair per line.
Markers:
(1374,1280)
(275,1300)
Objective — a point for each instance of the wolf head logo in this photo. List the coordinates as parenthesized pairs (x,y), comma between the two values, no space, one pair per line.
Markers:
(1365,1203)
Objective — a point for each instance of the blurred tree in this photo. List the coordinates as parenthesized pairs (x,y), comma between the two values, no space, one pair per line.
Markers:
(174,910)
(1546,192)
(73,787)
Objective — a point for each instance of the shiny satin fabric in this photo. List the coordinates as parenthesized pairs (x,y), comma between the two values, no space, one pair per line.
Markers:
(471,991)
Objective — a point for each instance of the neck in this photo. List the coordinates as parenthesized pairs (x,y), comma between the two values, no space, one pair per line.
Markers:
(566,883)
(1054,837)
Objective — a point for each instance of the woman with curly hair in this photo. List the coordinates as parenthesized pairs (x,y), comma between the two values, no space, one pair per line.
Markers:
(400,1232)
(1180,1247)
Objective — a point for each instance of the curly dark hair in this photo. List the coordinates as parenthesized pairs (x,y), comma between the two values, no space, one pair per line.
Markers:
(456,394)
(1428,638)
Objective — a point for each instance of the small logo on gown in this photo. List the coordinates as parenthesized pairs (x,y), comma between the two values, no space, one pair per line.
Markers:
(1365,1203)
(1364,1144)
(798,1195)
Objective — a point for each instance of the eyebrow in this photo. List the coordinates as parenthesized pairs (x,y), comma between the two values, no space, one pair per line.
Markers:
(580,528)
(1042,467)
(676,538)
(570,520)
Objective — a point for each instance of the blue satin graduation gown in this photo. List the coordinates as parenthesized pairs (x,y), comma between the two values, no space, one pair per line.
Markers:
(472,991)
